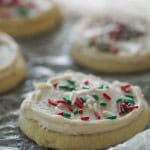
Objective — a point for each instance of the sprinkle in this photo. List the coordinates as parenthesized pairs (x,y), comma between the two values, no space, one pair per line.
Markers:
(60,113)
(85,118)
(120,109)
(95,96)
(106,96)
(79,102)
(86,82)
(51,102)
(68,100)
(83,98)
(126,88)
(130,108)
(95,106)
(75,111)
(97,115)
(66,87)
(129,95)
(22,11)
(112,117)
(71,81)
(129,101)
(85,87)
(66,104)
(55,85)
(80,111)
(119,100)
(90,106)
(103,104)
(5,15)
(101,86)
(67,115)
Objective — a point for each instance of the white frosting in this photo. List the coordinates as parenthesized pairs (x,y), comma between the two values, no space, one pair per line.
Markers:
(36,105)
(8,51)
(34,8)
(98,28)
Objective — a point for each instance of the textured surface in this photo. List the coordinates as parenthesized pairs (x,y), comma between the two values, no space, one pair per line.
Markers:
(45,56)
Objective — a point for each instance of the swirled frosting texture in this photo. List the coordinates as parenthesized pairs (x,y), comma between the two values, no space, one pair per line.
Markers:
(75,103)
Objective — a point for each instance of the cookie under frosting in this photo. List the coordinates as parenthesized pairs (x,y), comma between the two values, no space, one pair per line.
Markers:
(113,35)
(8,51)
(75,103)
(20,9)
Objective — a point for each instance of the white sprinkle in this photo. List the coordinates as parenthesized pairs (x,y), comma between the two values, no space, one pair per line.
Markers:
(90,106)
(57,109)
(95,106)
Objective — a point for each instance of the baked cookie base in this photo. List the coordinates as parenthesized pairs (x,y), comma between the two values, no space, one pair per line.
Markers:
(24,28)
(110,63)
(48,138)
(16,73)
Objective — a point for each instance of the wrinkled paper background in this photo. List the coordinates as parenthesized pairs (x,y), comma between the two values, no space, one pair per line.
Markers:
(49,54)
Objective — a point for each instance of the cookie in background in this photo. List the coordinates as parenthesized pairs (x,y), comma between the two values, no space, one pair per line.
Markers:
(21,18)
(12,65)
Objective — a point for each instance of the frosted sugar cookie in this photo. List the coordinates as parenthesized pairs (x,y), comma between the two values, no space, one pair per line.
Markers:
(78,111)
(112,44)
(12,66)
(22,18)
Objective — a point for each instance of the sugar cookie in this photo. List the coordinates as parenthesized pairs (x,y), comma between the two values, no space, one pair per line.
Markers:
(12,68)
(112,44)
(78,111)
(21,18)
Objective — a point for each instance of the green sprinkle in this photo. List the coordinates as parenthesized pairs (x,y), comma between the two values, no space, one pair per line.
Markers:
(129,102)
(83,99)
(119,100)
(123,110)
(95,96)
(22,11)
(71,81)
(103,104)
(66,87)
(68,100)
(101,86)
(75,111)
(129,95)
(112,117)
(85,87)
(67,115)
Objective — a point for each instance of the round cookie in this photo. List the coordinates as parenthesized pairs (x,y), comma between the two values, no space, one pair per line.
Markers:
(112,44)
(78,111)
(21,18)
(12,68)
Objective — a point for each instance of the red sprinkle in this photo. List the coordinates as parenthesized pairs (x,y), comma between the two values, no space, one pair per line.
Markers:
(119,109)
(5,15)
(51,102)
(130,108)
(97,115)
(106,96)
(79,102)
(80,111)
(55,85)
(86,82)
(66,104)
(85,118)
(126,88)
(60,113)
